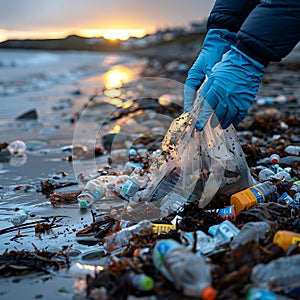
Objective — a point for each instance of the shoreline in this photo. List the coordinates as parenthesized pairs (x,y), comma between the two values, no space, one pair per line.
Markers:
(43,165)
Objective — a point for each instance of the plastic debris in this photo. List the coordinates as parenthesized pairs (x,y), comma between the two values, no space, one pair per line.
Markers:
(16,148)
(252,231)
(256,194)
(285,239)
(281,274)
(19,217)
(175,263)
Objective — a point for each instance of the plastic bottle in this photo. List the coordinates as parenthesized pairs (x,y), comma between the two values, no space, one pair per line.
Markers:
(173,202)
(130,166)
(103,186)
(287,199)
(295,187)
(136,180)
(164,186)
(92,191)
(204,243)
(284,239)
(121,238)
(132,153)
(259,193)
(274,158)
(271,100)
(129,189)
(20,217)
(252,231)
(224,232)
(294,150)
(265,174)
(265,101)
(142,282)
(297,198)
(261,294)
(281,274)
(187,271)
(16,148)
(282,175)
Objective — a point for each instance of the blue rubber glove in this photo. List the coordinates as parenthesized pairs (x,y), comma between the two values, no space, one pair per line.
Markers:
(216,43)
(231,89)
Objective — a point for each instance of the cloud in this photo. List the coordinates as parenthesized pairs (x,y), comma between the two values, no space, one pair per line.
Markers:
(66,15)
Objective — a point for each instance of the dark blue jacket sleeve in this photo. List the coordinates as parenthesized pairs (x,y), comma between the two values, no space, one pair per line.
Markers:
(271,30)
(267,30)
(230,14)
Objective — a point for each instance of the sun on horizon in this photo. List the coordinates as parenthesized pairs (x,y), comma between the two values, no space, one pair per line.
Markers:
(113,34)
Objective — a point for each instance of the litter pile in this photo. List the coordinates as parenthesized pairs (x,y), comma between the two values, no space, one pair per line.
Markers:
(199,215)
(201,228)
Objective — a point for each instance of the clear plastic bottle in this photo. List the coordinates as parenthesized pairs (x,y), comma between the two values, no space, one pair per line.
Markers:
(136,180)
(121,238)
(173,202)
(164,186)
(259,193)
(20,217)
(252,231)
(16,148)
(261,294)
(141,282)
(274,158)
(224,232)
(282,175)
(92,191)
(294,150)
(265,174)
(103,186)
(281,274)
(297,198)
(187,271)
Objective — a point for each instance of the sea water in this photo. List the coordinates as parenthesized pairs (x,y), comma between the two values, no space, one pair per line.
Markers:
(56,84)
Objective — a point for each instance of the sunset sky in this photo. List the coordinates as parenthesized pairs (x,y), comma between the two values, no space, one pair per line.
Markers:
(58,18)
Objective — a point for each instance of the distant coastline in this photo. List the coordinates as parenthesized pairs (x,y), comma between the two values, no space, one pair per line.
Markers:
(72,42)
(146,45)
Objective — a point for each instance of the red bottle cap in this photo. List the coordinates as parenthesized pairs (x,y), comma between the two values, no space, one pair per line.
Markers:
(274,159)
(209,293)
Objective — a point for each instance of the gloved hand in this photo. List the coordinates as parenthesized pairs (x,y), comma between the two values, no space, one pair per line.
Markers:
(231,89)
(216,43)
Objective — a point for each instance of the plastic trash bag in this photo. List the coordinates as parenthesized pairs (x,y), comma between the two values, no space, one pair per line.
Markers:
(196,165)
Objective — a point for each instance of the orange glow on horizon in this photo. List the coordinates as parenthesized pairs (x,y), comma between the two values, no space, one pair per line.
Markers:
(113,34)
(7,34)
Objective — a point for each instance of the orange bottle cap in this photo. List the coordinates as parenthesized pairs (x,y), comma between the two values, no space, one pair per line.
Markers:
(209,293)
(136,252)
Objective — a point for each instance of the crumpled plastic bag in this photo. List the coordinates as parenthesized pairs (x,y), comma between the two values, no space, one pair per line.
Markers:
(196,165)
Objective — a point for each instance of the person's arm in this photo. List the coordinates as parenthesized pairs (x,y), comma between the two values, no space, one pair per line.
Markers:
(269,33)
(224,21)
(230,14)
